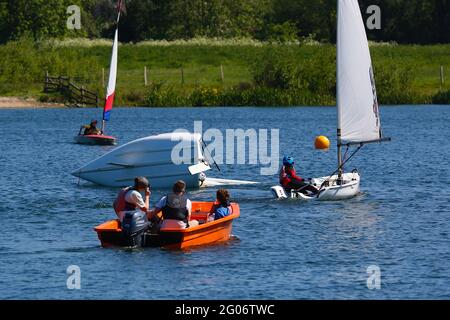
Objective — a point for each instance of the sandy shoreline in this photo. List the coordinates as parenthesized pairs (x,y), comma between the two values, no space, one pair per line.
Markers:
(16,102)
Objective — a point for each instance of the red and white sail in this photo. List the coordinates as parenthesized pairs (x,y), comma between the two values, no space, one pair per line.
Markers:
(111,90)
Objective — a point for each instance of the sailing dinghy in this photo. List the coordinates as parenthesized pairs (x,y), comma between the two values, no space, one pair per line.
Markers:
(102,139)
(358,118)
(95,139)
(150,157)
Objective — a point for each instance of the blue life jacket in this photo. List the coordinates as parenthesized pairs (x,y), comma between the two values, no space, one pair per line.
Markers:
(222,210)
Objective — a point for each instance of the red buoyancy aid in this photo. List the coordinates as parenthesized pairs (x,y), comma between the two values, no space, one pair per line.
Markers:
(287,175)
(120,204)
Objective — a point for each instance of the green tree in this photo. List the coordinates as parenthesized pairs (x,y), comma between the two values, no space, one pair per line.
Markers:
(217,18)
(98,17)
(145,19)
(317,18)
(40,18)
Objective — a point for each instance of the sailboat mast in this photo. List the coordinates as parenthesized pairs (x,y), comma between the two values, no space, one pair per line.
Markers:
(339,155)
(339,152)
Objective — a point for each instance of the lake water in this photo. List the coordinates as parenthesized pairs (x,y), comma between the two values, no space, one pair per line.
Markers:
(281,249)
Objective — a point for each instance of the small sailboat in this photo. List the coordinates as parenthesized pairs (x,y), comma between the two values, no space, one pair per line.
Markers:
(100,138)
(358,118)
(152,157)
(149,157)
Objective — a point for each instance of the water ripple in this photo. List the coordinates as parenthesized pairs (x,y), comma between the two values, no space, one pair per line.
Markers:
(280,249)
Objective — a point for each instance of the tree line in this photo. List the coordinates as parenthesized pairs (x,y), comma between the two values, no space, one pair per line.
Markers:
(402,21)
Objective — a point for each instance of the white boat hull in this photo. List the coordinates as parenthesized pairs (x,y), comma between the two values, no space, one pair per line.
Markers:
(160,176)
(149,157)
(216,182)
(334,191)
(348,189)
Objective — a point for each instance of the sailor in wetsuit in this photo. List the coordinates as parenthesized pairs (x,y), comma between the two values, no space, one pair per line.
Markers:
(290,180)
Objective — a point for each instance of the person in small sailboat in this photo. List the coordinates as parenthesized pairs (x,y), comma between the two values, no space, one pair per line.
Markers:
(91,129)
(291,181)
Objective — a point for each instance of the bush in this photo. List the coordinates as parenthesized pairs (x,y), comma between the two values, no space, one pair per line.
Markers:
(205,96)
(442,97)
(132,98)
(394,83)
(274,69)
(281,69)
(317,75)
(282,33)
(159,96)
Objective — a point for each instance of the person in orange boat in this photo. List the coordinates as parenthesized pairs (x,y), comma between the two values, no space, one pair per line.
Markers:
(130,198)
(222,206)
(176,209)
(91,129)
(291,181)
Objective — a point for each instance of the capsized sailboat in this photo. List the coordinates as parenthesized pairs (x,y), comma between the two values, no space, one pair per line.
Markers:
(150,157)
(101,138)
(358,117)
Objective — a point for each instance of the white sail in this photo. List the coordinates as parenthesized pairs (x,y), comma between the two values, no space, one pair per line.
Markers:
(113,66)
(358,115)
(111,90)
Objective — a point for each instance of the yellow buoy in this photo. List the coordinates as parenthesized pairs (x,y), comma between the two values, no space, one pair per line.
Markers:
(322,143)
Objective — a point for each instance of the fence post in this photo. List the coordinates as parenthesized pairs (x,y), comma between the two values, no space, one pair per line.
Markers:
(46,81)
(145,75)
(182,76)
(82,96)
(442,77)
(221,73)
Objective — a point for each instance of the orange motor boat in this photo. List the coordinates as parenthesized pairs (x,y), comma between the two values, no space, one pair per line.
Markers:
(110,233)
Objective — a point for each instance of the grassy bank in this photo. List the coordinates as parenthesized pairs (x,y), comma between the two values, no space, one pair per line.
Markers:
(229,73)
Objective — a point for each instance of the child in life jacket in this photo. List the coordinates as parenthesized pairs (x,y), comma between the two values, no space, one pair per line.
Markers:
(222,206)
(290,180)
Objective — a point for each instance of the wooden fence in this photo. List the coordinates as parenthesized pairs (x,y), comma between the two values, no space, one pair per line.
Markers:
(74,95)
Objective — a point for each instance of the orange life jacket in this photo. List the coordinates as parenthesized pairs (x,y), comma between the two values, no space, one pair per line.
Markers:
(120,204)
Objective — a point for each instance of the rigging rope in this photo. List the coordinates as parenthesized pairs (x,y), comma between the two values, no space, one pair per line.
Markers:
(340,167)
(210,156)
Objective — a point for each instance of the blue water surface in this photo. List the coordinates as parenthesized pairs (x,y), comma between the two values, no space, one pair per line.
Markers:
(280,249)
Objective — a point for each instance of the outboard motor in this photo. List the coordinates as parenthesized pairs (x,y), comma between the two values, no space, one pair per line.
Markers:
(134,225)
